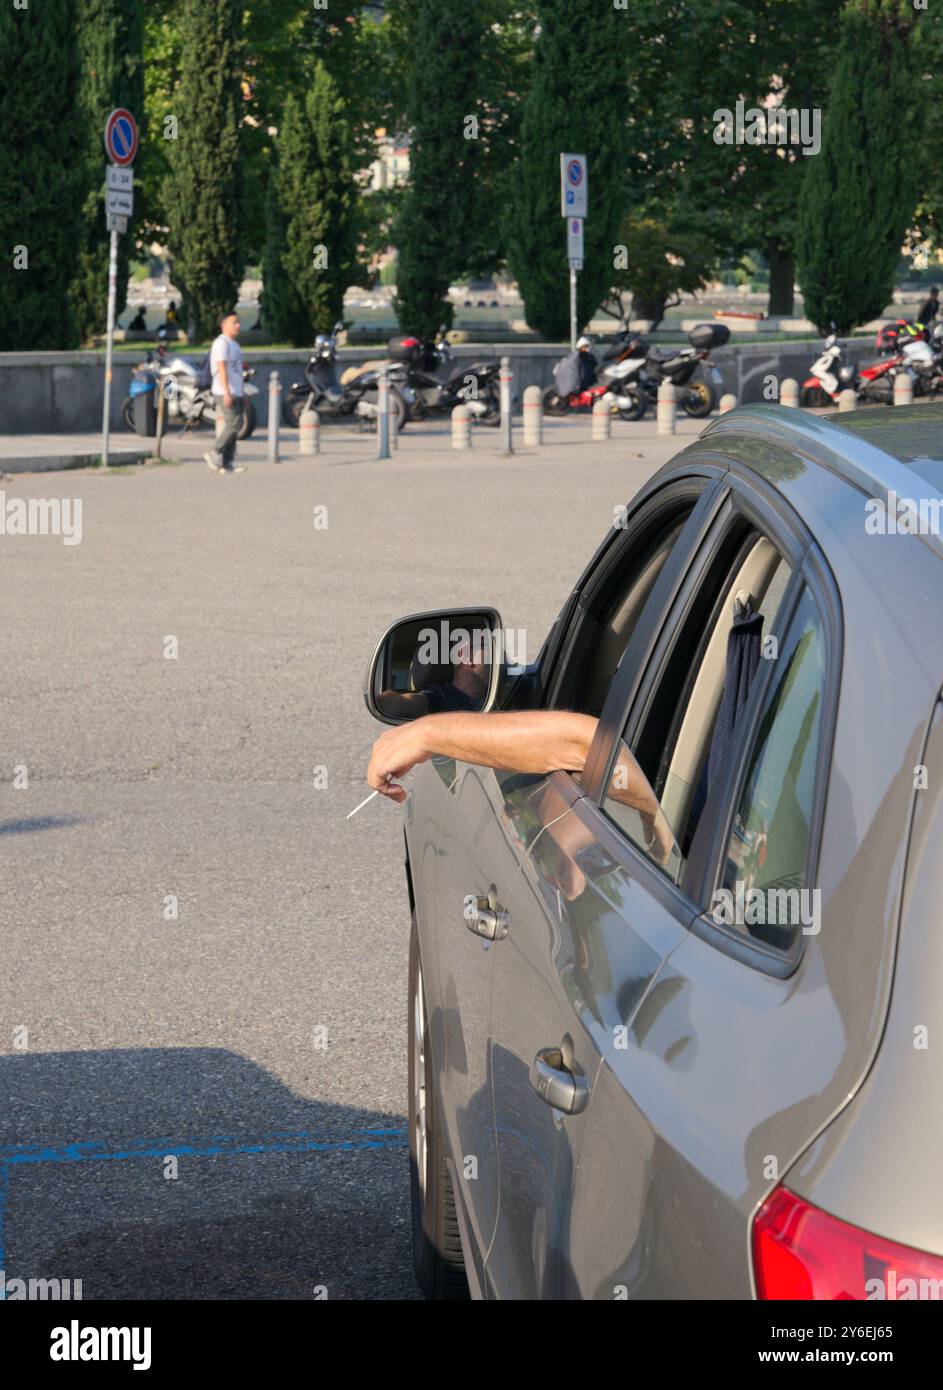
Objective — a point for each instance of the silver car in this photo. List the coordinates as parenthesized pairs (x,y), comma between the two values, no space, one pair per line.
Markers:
(709,1073)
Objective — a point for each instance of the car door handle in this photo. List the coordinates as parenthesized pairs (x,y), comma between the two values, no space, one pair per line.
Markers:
(485,917)
(556,1085)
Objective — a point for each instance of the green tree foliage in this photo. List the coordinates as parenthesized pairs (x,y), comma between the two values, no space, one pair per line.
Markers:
(311,253)
(655,266)
(437,231)
(577,102)
(110,34)
(859,197)
(40,185)
(205,198)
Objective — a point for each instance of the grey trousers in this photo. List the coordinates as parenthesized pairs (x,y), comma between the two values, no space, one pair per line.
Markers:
(228,422)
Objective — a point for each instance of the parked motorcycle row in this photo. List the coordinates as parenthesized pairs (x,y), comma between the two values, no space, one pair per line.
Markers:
(424,380)
(904,347)
(631,371)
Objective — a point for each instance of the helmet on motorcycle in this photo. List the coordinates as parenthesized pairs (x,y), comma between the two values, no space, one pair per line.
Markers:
(582,343)
(846,374)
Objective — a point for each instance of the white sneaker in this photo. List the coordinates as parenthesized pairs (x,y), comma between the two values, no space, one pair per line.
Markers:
(233,468)
(213,461)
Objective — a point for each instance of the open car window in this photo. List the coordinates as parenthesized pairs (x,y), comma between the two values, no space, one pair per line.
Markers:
(707,674)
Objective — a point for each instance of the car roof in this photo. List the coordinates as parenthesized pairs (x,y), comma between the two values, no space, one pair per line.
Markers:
(892,450)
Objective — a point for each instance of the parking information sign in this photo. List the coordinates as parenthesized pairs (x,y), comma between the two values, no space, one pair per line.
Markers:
(574,242)
(574,181)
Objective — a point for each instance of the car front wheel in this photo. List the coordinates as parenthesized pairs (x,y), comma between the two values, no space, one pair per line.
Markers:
(437,1250)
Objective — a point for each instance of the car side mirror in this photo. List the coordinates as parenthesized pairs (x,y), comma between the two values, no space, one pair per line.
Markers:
(443,661)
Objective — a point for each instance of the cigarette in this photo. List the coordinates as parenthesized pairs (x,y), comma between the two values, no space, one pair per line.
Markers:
(389,778)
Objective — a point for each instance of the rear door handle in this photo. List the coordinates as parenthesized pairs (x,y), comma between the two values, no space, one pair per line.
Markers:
(557,1085)
(485,917)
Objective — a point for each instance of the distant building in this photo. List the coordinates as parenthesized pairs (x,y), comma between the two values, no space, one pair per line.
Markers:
(391,166)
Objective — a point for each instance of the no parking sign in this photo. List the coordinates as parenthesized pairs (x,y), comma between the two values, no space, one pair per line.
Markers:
(121,137)
(574,181)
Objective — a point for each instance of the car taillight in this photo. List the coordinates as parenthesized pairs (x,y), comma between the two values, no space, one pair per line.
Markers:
(801,1252)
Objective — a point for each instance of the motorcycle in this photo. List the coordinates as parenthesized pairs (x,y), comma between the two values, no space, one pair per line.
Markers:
(187,391)
(696,398)
(332,398)
(439,383)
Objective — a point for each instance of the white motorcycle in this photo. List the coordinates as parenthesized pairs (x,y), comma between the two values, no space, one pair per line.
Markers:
(190,403)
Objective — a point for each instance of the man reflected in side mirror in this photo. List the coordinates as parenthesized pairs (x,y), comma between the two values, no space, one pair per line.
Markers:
(465,692)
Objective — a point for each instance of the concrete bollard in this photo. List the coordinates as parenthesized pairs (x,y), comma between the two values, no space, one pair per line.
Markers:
(602,421)
(848,399)
(665,410)
(533,415)
(728,402)
(461,427)
(505,377)
(903,389)
(789,392)
(309,431)
(383,418)
(274,416)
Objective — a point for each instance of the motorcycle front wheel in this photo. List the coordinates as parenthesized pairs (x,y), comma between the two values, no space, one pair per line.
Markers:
(699,400)
(127,415)
(294,403)
(554,404)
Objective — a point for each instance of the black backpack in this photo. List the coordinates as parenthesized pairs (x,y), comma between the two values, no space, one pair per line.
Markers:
(204,377)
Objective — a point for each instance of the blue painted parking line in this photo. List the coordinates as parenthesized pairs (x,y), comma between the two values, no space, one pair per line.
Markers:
(216,1146)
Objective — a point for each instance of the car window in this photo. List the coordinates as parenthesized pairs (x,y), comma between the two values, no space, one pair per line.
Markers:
(764,879)
(608,627)
(699,695)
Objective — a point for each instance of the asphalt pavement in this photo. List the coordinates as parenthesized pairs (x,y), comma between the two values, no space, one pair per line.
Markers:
(203,995)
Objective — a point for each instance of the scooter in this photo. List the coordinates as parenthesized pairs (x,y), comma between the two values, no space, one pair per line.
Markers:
(332,399)
(874,385)
(439,383)
(696,398)
(622,359)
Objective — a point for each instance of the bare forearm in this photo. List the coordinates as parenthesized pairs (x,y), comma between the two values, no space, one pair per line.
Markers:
(516,741)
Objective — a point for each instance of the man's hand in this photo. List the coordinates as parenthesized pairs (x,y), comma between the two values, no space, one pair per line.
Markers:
(227,401)
(394,754)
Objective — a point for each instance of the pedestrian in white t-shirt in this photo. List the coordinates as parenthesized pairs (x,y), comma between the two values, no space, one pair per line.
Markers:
(228,395)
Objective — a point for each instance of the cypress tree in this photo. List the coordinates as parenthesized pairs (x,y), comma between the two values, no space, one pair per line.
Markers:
(283,316)
(39,188)
(859,196)
(311,250)
(110,37)
(576,103)
(205,197)
(435,233)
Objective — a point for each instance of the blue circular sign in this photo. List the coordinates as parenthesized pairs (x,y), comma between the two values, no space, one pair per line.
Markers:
(574,172)
(121,137)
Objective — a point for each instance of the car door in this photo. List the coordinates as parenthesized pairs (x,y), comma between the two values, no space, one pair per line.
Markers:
(553,1006)
(486,826)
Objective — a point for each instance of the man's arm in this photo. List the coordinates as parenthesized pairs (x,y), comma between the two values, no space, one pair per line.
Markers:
(539,741)
(403,704)
(516,741)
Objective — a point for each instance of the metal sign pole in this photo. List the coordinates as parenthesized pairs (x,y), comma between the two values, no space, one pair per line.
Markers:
(109,348)
(573,308)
